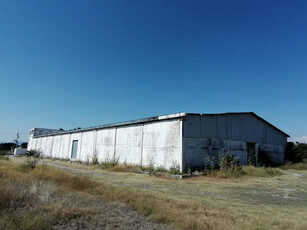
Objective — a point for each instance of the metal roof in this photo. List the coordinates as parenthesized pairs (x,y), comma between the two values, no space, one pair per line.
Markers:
(250,113)
(118,124)
(155,118)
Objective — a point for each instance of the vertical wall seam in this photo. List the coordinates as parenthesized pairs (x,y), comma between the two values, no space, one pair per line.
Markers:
(80,146)
(217,129)
(182,145)
(51,147)
(94,142)
(60,146)
(70,146)
(142,137)
(114,151)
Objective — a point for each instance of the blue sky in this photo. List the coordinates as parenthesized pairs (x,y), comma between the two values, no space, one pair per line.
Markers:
(67,64)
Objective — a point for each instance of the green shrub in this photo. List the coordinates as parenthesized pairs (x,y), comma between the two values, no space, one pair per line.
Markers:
(161,169)
(95,158)
(264,160)
(34,153)
(230,166)
(175,168)
(151,168)
(296,152)
(31,161)
(109,162)
(29,164)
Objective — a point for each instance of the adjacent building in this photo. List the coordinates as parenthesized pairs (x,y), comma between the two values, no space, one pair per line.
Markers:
(185,140)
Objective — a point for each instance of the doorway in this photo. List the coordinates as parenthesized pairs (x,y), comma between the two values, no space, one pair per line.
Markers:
(74,149)
(251,153)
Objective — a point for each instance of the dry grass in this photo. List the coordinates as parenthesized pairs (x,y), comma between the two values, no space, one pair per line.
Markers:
(295,166)
(122,168)
(245,171)
(261,171)
(5,152)
(198,203)
(44,198)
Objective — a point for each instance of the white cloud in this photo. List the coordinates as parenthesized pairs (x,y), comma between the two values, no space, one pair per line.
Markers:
(302,139)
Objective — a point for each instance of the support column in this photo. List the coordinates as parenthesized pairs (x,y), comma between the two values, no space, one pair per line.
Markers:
(142,137)
(114,150)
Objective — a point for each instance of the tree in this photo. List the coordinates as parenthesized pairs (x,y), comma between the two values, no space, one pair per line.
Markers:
(24,145)
(296,152)
(7,146)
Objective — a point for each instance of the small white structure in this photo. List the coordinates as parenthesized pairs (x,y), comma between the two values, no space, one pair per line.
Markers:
(20,151)
(183,139)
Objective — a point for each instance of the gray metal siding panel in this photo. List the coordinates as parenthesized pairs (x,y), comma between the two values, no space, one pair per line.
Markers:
(208,126)
(222,127)
(192,126)
(236,127)
(220,133)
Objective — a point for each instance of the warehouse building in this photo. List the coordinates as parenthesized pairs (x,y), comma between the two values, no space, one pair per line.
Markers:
(185,140)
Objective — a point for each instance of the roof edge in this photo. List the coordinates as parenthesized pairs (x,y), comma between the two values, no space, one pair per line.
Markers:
(118,124)
(156,118)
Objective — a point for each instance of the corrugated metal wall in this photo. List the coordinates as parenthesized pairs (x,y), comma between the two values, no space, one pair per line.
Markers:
(237,127)
(205,135)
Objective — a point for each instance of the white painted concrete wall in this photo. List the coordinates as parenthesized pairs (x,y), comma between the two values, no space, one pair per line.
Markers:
(105,144)
(65,146)
(158,143)
(163,137)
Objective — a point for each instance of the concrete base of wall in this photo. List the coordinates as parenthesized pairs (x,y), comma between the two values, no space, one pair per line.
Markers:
(201,152)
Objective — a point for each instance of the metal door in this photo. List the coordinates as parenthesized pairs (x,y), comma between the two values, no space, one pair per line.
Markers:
(74,149)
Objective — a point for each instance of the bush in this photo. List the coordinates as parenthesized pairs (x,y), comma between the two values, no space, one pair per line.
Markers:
(110,162)
(175,168)
(264,160)
(34,153)
(296,152)
(7,146)
(230,166)
(24,145)
(95,159)
(151,167)
(31,161)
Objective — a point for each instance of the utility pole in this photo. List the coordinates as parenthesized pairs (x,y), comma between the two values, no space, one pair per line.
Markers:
(17,138)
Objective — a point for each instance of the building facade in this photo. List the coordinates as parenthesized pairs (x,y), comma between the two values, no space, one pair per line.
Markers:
(182,140)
